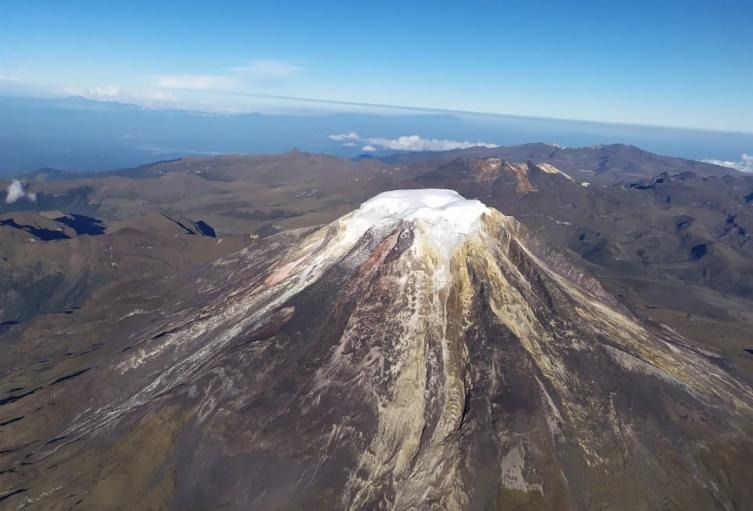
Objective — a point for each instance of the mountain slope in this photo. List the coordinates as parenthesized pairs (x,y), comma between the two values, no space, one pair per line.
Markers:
(598,164)
(52,262)
(423,351)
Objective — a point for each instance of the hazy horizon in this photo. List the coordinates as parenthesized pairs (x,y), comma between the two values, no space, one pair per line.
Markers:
(73,133)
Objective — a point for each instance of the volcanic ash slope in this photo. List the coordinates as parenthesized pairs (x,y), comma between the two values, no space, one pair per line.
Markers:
(421,352)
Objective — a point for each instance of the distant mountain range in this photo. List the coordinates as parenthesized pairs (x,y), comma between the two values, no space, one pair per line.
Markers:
(84,135)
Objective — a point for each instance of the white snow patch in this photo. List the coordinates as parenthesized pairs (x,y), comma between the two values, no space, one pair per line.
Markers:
(443,217)
(551,169)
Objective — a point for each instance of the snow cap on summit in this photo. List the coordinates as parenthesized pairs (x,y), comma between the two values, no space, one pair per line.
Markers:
(443,217)
(431,205)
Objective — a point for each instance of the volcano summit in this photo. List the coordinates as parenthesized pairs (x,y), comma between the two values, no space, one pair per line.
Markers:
(421,352)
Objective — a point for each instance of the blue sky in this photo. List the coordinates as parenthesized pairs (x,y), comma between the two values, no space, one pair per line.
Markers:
(674,63)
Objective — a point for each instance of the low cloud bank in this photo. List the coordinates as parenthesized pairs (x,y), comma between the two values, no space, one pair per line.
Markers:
(16,192)
(404,143)
(745,164)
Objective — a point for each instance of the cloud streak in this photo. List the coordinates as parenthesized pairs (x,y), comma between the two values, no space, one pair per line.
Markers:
(744,164)
(346,137)
(266,69)
(253,73)
(174,88)
(16,192)
(9,78)
(197,82)
(115,93)
(405,143)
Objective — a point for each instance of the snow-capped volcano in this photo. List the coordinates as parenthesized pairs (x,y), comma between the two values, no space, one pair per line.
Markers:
(422,352)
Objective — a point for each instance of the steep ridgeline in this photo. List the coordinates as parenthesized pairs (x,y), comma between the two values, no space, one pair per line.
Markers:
(421,352)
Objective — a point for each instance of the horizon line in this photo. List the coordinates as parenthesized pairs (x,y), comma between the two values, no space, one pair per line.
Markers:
(461,111)
(388,106)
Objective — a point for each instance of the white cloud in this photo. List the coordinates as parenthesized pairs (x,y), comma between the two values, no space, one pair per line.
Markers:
(745,164)
(4,77)
(101,92)
(16,192)
(254,73)
(266,69)
(345,137)
(405,143)
(115,93)
(197,82)
(417,143)
(154,95)
(107,91)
